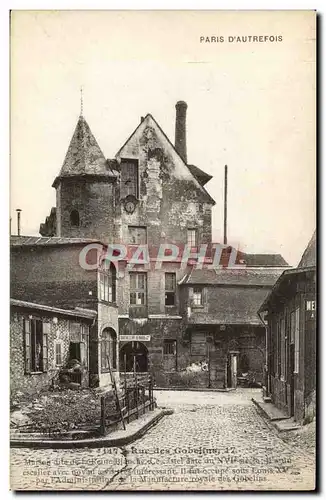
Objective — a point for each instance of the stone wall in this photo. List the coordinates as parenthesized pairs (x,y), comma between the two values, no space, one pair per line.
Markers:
(97,204)
(59,332)
(52,276)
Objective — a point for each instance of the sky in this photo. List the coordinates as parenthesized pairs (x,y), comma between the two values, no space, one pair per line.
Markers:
(250,105)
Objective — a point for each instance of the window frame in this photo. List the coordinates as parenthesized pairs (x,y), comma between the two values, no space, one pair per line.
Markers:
(137,289)
(169,342)
(108,283)
(36,329)
(74,218)
(126,191)
(170,292)
(58,343)
(190,240)
(194,302)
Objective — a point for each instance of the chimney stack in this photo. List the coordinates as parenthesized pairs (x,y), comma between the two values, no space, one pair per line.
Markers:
(181,129)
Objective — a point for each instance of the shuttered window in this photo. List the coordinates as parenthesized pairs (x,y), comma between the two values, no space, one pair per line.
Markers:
(27,334)
(58,354)
(36,345)
(46,333)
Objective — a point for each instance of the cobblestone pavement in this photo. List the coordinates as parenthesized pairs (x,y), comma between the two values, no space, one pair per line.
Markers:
(215,441)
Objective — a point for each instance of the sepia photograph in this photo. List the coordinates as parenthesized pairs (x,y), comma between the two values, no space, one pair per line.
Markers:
(163,242)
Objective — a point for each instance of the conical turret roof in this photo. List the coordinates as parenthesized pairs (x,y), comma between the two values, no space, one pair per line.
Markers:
(84,155)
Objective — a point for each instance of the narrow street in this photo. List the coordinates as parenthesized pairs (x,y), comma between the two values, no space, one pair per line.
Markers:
(213,440)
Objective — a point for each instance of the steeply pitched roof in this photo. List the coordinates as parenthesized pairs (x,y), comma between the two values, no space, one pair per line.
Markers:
(231,306)
(84,155)
(308,258)
(251,277)
(19,241)
(149,118)
(306,265)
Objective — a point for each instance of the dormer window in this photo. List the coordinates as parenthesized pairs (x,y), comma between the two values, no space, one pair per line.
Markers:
(129,178)
(74,218)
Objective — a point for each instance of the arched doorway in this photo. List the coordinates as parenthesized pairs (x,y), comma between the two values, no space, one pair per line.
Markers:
(133,355)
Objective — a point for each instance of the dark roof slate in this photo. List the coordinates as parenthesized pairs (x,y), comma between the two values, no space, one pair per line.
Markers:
(79,313)
(308,258)
(234,276)
(84,155)
(264,259)
(232,306)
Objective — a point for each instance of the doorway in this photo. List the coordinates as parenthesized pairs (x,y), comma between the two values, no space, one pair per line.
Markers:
(134,357)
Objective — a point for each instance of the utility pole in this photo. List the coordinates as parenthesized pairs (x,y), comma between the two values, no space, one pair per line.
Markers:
(225,204)
(18,210)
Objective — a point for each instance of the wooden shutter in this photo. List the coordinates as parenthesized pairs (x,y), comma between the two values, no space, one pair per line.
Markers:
(84,345)
(46,332)
(27,345)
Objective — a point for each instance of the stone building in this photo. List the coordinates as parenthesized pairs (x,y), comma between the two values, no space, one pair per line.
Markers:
(50,271)
(290,310)
(221,322)
(146,197)
(43,339)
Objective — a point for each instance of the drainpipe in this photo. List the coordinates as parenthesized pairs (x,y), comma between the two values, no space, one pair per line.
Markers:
(266,354)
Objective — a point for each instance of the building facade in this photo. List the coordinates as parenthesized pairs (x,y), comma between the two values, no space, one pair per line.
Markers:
(52,271)
(290,311)
(147,199)
(43,341)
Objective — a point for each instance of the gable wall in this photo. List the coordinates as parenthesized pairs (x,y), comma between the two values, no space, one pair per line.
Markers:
(170,200)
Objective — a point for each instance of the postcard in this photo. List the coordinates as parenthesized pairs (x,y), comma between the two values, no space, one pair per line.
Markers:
(163,250)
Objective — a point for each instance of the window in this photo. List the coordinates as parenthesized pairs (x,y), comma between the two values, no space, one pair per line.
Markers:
(170,286)
(292,327)
(192,237)
(137,235)
(78,347)
(198,344)
(129,178)
(74,218)
(108,282)
(36,345)
(58,354)
(297,340)
(197,298)
(169,347)
(282,346)
(138,289)
(108,350)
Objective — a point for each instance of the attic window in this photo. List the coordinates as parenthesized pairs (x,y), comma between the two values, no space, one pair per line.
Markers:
(74,218)
(129,178)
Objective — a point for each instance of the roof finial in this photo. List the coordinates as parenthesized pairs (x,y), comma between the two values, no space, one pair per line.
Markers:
(81,101)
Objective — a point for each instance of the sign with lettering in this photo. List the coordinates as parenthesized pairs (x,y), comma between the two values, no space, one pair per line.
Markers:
(135,338)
